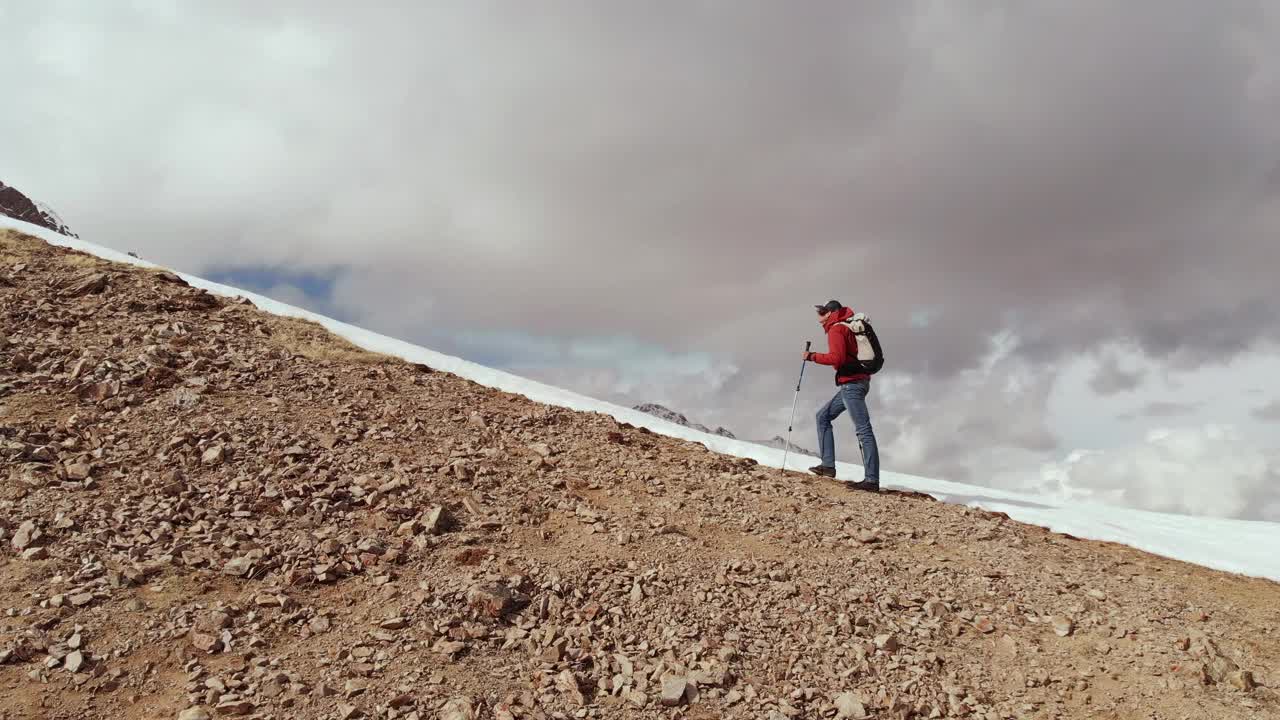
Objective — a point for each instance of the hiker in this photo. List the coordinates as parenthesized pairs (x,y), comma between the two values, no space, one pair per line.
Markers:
(853,383)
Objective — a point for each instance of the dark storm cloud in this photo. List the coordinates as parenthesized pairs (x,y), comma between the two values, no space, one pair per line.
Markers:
(689,176)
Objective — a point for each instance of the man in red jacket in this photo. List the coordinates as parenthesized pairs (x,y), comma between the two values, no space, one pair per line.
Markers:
(852,385)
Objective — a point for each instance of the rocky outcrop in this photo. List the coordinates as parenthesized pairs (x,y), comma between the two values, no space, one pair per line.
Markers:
(670,415)
(780,442)
(19,207)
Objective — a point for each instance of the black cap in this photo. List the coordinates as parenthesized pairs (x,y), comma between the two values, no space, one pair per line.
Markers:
(831,306)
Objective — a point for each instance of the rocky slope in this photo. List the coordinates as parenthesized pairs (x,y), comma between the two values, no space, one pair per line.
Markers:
(207,511)
(19,207)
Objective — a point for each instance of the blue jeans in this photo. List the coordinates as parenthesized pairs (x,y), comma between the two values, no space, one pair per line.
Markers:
(852,397)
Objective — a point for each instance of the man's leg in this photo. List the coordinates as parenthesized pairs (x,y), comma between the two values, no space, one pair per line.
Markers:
(855,399)
(826,438)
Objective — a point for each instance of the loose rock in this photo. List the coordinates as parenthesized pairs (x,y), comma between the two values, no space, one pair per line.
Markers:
(74,661)
(673,691)
(458,709)
(848,706)
(215,455)
(25,535)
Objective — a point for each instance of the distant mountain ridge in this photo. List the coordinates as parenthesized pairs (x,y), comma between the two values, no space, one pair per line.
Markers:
(779,442)
(20,207)
(666,413)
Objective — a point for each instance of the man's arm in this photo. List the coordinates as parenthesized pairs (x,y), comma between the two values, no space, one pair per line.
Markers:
(837,349)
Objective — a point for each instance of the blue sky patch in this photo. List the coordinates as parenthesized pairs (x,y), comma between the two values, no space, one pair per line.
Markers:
(260,279)
(311,290)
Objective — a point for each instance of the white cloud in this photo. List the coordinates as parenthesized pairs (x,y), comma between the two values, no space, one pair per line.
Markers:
(986,422)
(1211,470)
(692,179)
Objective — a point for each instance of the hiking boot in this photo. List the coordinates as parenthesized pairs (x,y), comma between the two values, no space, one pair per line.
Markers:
(823,470)
(867,485)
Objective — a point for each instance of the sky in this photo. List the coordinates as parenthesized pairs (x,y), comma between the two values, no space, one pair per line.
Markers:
(1062,216)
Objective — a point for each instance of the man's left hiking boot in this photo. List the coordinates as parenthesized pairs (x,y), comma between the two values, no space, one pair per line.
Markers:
(867,485)
(823,470)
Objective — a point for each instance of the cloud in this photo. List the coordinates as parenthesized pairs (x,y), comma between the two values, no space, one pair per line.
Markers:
(1110,378)
(632,358)
(1210,470)
(560,160)
(693,178)
(615,367)
(1162,409)
(1269,412)
(971,426)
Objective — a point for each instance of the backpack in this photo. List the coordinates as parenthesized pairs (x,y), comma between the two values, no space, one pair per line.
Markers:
(870,357)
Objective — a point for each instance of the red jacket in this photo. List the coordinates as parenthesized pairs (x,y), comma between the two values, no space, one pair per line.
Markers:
(842,347)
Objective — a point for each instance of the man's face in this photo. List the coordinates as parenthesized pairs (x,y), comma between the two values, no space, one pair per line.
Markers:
(822,317)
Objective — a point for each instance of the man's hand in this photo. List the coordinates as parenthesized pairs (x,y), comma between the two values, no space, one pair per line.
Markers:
(806,355)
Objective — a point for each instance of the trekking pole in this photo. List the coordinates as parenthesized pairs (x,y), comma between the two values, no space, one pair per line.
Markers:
(787,449)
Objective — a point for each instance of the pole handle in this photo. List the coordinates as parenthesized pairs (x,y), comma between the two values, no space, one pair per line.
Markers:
(807,345)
